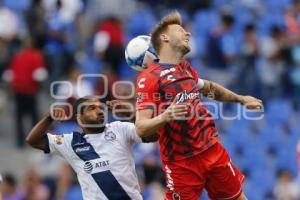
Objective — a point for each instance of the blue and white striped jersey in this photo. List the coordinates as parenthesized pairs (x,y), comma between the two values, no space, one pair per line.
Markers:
(103,162)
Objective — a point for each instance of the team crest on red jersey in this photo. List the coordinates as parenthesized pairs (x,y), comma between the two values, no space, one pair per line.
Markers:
(176,196)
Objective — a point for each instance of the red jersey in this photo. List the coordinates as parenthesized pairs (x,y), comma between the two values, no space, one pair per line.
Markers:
(156,89)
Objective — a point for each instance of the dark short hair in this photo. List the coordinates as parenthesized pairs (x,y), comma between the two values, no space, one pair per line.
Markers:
(10,179)
(249,27)
(78,104)
(228,19)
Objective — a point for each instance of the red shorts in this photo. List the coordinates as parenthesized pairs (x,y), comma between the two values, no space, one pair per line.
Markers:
(212,170)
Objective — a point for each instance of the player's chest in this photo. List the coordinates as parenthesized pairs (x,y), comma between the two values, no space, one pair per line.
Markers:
(106,145)
(175,79)
(98,153)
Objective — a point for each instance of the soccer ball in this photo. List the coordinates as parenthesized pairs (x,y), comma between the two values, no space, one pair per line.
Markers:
(139,52)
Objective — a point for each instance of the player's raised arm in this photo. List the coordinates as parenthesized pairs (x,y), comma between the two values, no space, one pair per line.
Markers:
(217,92)
(37,137)
(147,126)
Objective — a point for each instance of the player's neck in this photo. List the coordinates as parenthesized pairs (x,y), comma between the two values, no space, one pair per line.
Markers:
(93,130)
(170,57)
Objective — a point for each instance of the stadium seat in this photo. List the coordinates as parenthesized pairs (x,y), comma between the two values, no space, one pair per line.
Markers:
(126,73)
(201,17)
(18,6)
(276,5)
(66,127)
(140,23)
(253,191)
(267,20)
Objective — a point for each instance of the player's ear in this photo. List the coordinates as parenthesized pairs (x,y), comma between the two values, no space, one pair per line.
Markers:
(78,119)
(164,37)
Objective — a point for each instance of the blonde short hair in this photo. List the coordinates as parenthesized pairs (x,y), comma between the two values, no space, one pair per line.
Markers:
(172,18)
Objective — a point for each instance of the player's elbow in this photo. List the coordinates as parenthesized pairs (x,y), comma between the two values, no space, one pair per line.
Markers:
(140,129)
(29,140)
(151,138)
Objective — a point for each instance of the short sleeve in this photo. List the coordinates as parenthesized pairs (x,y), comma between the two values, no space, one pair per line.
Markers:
(147,92)
(58,144)
(194,73)
(130,133)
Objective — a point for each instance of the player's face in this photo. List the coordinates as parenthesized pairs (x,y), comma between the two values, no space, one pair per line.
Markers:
(93,112)
(179,38)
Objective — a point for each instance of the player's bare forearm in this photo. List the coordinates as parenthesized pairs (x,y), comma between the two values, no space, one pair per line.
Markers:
(219,93)
(147,126)
(37,137)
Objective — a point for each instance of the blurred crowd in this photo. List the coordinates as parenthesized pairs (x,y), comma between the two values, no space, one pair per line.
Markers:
(250,46)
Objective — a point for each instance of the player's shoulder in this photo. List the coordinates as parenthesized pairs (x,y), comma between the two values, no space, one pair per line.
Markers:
(151,71)
(69,136)
(120,125)
(120,129)
(58,139)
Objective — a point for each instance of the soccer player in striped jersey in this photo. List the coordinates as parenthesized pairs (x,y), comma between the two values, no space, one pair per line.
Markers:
(100,155)
(168,102)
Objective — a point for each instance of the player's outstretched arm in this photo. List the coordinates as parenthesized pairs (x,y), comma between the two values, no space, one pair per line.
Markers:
(37,137)
(215,91)
(147,126)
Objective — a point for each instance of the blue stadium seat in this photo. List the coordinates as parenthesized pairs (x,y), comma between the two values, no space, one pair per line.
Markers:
(255,156)
(278,111)
(253,191)
(265,178)
(276,5)
(200,45)
(126,73)
(242,17)
(221,3)
(201,17)
(267,20)
(140,23)
(91,65)
(287,159)
(66,127)
(238,132)
(18,6)
(270,135)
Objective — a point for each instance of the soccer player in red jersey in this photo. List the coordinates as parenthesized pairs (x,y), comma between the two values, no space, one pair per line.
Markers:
(168,102)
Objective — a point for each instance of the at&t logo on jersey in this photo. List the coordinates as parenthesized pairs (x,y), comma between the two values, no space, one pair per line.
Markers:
(88,167)
(91,166)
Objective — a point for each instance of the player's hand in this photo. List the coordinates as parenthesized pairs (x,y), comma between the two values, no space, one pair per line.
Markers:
(115,103)
(121,108)
(251,103)
(175,111)
(58,114)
